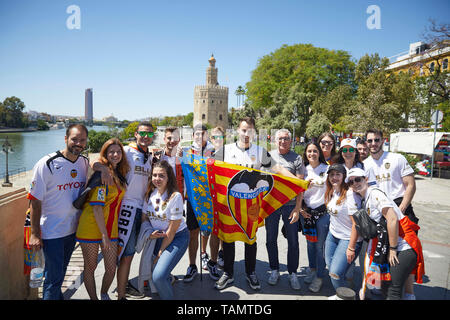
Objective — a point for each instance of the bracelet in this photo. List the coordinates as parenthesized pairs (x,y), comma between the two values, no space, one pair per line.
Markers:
(351,249)
(393,248)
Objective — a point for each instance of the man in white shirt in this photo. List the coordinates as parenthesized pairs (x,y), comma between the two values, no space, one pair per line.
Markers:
(395,177)
(244,153)
(140,161)
(58,179)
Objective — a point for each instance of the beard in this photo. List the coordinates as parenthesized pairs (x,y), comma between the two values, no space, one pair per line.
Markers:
(75,150)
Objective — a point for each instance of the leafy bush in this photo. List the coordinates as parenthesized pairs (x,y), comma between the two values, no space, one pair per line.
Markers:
(412,160)
(97,139)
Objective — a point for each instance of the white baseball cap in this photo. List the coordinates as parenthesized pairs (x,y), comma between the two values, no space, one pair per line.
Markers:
(348,142)
(355,172)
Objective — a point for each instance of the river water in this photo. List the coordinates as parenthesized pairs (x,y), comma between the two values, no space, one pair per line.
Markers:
(29,147)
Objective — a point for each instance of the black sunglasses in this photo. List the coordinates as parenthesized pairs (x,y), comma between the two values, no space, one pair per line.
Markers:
(373,140)
(357,179)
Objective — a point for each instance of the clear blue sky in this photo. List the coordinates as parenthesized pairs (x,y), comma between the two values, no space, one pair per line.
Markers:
(143,58)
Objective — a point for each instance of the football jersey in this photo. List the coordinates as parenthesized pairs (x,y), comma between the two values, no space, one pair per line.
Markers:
(57,182)
(160,211)
(254,157)
(314,195)
(109,198)
(389,171)
(375,201)
(340,221)
(137,177)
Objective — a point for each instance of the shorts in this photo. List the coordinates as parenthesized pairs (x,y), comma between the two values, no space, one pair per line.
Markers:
(130,248)
(191,220)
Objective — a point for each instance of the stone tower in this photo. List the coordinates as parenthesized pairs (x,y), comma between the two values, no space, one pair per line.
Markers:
(211,100)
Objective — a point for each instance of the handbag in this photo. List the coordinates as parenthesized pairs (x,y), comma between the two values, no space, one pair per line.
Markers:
(366,226)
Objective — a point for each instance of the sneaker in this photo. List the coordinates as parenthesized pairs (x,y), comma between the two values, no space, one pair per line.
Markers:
(213,272)
(132,292)
(205,258)
(273,278)
(316,285)
(252,280)
(190,273)
(104,296)
(224,280)
(293,280)
(220,260)
(409,296)
(335,297)
(310,275)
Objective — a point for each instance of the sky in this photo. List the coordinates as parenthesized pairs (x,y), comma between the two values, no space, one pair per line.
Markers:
(144,58)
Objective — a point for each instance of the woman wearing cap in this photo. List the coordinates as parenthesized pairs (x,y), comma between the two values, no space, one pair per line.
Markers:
(314,218)
(396,252)
(348,155)
(342,244)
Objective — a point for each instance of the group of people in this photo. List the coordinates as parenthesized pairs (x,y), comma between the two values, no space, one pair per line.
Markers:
(140,195)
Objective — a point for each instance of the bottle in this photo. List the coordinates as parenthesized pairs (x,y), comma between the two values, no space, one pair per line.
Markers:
(37,269)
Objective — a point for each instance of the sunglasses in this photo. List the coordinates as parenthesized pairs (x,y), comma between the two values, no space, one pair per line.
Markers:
(217,137)
(284,139)
(373,140)
(326,143)
(357,180)
(344,150)
(144,134)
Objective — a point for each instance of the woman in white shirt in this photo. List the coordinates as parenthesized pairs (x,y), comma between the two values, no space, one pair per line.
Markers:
(163,208)
(314,217)
(342,244)
(396,252)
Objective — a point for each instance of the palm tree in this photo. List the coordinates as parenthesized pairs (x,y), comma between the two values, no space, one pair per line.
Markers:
(240,92)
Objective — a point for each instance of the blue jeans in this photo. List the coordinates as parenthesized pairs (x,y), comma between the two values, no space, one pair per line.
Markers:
(57,253)
(336,259)
(316,249)
(168,260)
(272,223)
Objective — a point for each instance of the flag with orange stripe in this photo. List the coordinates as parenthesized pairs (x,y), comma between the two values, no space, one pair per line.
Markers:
(243,197)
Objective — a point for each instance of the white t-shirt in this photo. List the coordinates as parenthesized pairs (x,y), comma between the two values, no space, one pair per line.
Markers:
(57,182)
(172,161)
(160,212)
(389,171)
(314,195)
(375,201)
(340,221)
(137,177)
(254,157)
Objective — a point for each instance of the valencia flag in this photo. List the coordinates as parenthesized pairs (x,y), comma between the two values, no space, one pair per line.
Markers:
(242,198)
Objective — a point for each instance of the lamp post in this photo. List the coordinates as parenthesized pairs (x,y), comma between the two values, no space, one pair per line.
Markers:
(6,149)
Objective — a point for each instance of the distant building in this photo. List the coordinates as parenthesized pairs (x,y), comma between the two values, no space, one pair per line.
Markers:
(211,100)
(111,118)
(422,59)
(88,106)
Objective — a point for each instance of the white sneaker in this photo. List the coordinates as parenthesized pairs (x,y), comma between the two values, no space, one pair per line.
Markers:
(335,297)
(316,285)
(294,281)
(409,296)
(273,278)
(310,275)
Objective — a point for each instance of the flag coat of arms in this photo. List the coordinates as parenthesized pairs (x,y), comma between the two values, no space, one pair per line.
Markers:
(232,201)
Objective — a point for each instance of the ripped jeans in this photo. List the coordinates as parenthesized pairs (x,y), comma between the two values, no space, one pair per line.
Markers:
(336,259)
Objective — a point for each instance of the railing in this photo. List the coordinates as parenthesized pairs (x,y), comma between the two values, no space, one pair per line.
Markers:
(14,173)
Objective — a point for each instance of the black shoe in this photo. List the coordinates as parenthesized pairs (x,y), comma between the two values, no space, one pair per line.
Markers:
(190,273)
(253,281)
(213,272)
(132,292)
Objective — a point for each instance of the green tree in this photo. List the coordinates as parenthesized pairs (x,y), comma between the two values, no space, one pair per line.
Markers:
(97,139)
(42,125)
(317,124)
(11,113)
(129,131)
(313,70)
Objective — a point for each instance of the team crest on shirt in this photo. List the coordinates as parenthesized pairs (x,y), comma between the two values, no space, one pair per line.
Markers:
(387,165)
(101,194)
(253,158)
(73,173)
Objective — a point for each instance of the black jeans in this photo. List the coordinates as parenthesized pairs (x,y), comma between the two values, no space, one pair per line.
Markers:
(228,257)
(399,274)
(409,212)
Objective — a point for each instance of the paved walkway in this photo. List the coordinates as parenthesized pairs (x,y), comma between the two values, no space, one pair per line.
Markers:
(431,204)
